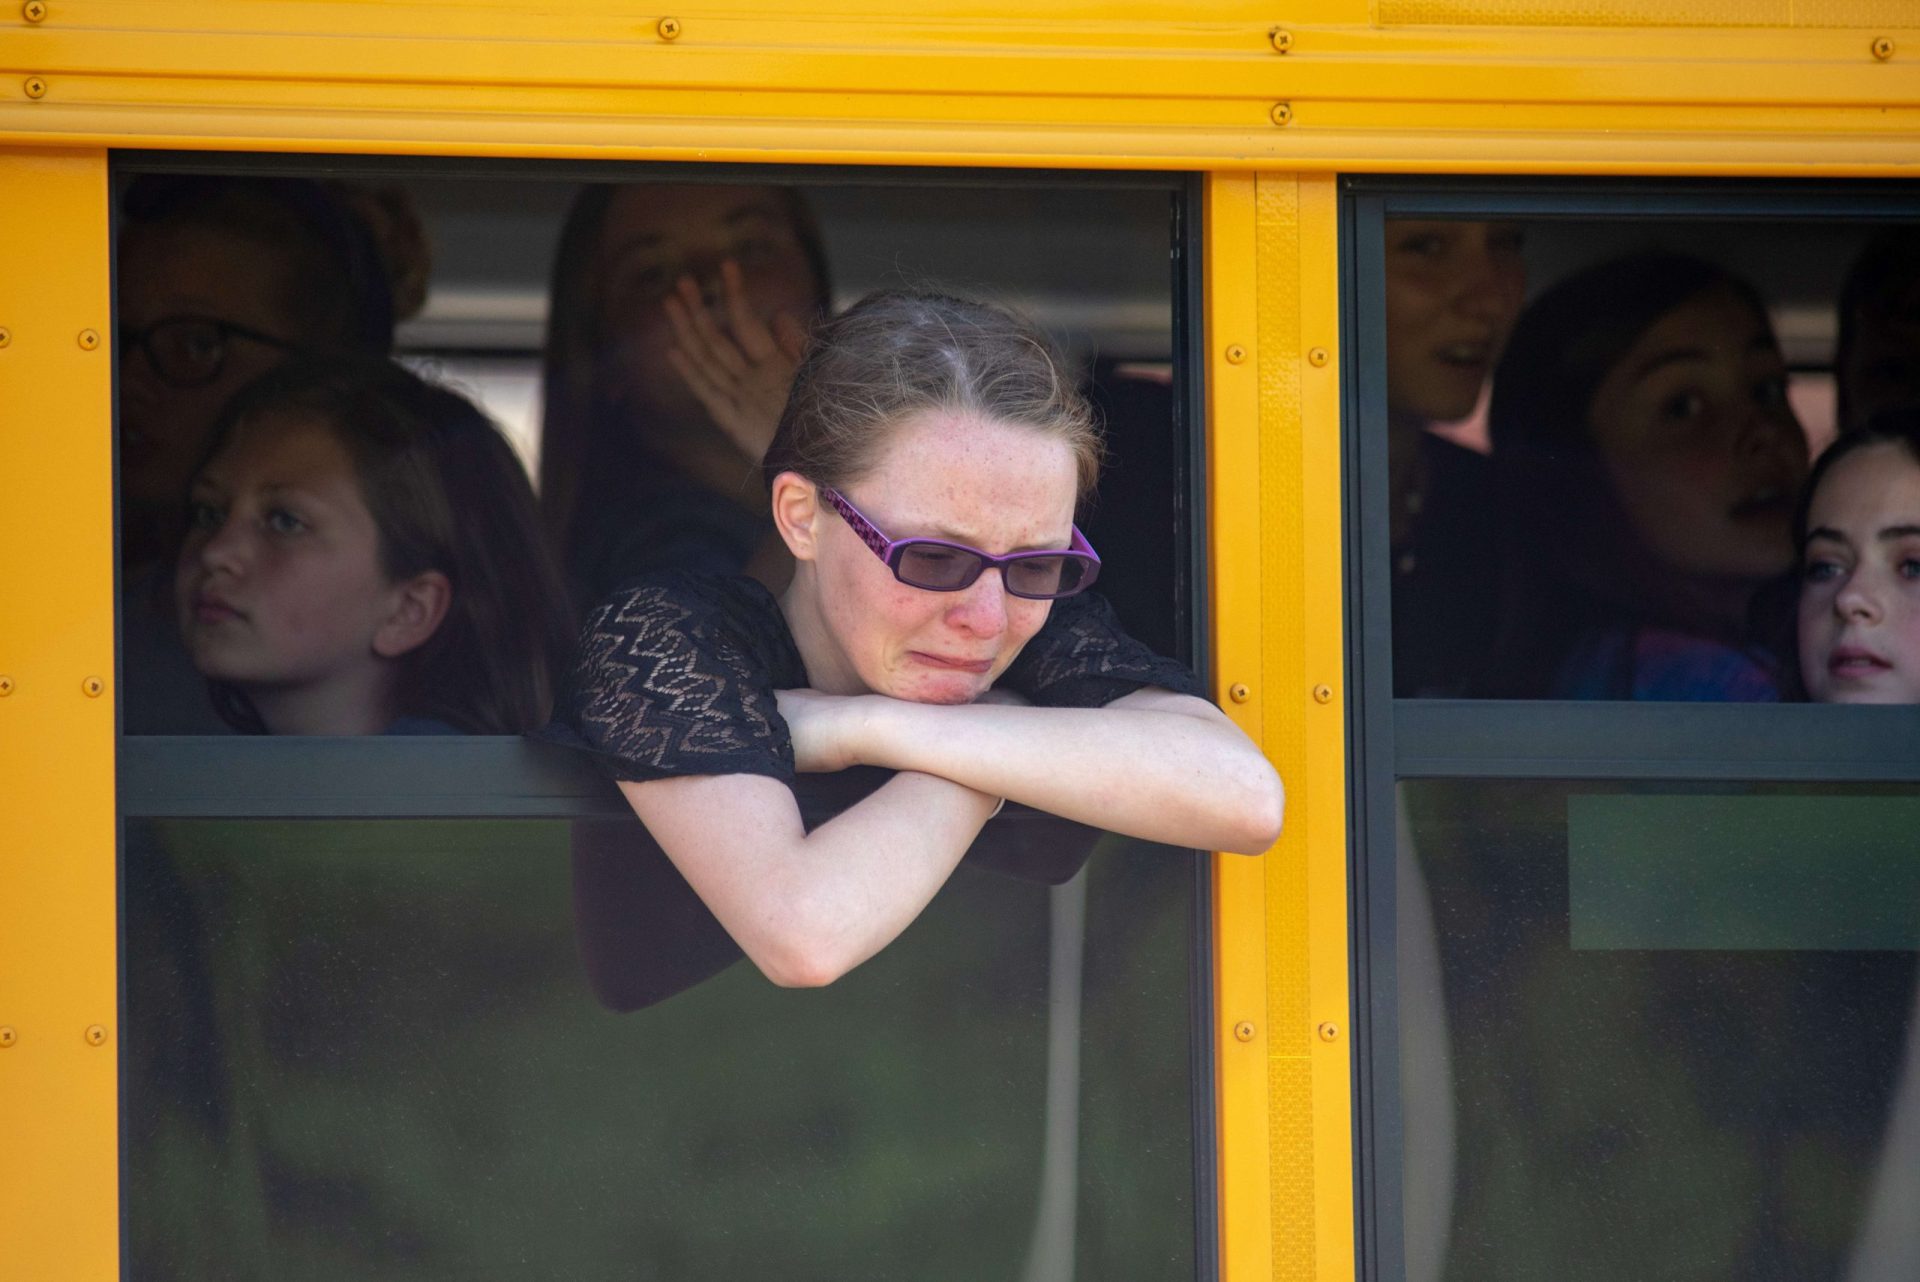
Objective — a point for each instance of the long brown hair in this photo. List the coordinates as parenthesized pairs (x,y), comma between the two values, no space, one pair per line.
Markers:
(895,354)
(574,398)
(447,493)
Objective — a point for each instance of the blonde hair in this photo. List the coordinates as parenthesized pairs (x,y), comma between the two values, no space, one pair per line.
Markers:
(896,354)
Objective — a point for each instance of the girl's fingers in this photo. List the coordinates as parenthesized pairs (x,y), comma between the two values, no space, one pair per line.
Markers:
(706,337)
(791,335)
(748,330)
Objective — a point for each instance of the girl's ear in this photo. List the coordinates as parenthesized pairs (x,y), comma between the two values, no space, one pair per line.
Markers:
(796,514)
(419,606)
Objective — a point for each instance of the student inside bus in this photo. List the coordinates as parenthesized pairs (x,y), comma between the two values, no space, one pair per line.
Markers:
(1452,292)
(1647,465)
(1859,533)
(217,281)
(924,477)
(363,557)
(677,317)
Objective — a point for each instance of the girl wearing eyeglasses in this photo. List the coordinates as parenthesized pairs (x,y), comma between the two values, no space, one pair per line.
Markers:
(924,477)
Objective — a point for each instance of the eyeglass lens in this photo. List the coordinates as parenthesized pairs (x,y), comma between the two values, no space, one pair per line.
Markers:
(945,569)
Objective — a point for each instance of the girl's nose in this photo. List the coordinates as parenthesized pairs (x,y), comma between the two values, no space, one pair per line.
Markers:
(981,609)
(1857,599)
(226,547)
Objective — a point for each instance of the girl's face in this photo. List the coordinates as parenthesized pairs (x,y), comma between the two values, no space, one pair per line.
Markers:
(655,235)
(993,486)
(1453,290)
(1704,453)
(169,272)
(279,584)
(1860,583)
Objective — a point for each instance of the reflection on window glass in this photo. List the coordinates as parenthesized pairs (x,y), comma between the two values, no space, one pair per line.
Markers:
(1615,520)
(1658,1031)
(367,1049)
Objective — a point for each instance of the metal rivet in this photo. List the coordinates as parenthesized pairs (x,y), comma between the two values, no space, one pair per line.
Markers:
(6,686)
(96,1035)
(1329,1032)
(34,11)
(89,339)
(35,87)
(1235,353)
(1317,356)
(1282,39)
(1238,692)
(8,1037)
(669,28)
(93,686)
(1883,48)
(1282,113)
(6,336)
(1243,1031)
(1323,694)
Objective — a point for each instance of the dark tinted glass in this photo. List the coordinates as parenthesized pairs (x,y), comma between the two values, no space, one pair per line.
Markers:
(1658,1031)
(368,1049)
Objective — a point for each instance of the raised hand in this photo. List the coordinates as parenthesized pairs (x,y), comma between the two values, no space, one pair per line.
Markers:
(740,373)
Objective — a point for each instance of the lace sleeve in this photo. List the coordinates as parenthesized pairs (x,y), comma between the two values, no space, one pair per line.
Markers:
(1081,659)
(676,676)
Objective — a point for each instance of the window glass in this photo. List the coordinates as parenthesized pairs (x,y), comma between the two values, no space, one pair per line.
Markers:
(1600,433)
(369,1049)
(1657,1030)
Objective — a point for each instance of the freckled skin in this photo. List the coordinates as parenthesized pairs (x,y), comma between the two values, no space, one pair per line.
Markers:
(1704,452)
(995,486)
(1860,580)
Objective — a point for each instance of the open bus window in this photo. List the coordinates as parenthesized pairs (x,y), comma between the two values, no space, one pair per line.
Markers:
(1600,436)
(363,1045)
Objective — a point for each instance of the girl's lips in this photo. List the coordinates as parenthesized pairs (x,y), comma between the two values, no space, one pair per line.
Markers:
(208,609)
(1848,661)
(979,666)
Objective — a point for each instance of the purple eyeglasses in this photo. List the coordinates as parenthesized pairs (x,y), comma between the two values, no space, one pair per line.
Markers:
(940,566)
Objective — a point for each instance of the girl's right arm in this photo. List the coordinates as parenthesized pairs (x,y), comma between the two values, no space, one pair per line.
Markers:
(809,907)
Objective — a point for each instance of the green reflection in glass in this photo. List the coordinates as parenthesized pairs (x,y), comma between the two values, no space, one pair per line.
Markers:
(1744,872)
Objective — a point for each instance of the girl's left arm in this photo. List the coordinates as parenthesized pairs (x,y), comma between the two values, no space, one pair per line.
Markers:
(1152,764)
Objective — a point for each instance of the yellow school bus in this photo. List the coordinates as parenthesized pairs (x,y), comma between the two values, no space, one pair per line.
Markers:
(1282,145)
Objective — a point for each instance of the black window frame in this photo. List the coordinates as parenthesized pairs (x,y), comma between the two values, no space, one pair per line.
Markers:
(508,777)
(1393,739)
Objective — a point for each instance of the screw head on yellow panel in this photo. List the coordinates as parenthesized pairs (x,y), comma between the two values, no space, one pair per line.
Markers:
(1282,113)
(1883,48)
(1235,353)
(8,1037)
(96,1035)
(6,336)
(1238,692)
(34,11)
(89,339)
(35,86)
(669,28)
(1282,39)
(93,687)
(1329,1032)
(1323,694)
(6,686)
(1317,356)
(1243,1031)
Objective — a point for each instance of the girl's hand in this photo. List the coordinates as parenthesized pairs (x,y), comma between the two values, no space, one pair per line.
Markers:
(742,373)
(826,728)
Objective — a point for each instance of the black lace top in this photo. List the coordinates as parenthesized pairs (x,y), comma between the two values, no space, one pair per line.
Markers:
(677,675)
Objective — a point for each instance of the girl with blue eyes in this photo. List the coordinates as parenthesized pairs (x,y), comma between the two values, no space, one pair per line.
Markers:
(363,557)
(1647,465)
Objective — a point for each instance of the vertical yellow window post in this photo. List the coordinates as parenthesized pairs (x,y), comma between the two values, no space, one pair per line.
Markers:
(1281,970)
(59,1022)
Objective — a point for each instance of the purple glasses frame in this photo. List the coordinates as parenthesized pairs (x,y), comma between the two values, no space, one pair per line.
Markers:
(892,550)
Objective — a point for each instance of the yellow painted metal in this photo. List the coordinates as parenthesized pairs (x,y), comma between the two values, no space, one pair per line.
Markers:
(1236,557)
(59,1209)
(1285,1126)
(1120,85)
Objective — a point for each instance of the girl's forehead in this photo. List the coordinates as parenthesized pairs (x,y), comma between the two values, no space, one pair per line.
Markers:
(283,441)
(964,473)
(1872,481)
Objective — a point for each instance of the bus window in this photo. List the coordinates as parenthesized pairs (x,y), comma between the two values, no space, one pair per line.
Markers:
(364,1041)
(1599,434)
